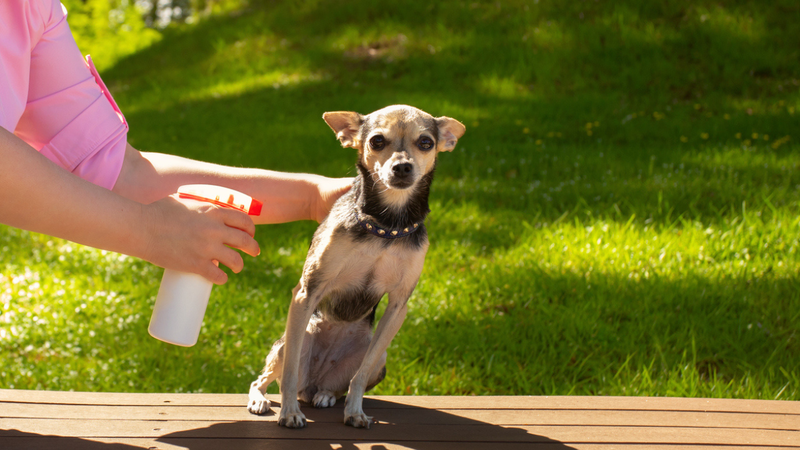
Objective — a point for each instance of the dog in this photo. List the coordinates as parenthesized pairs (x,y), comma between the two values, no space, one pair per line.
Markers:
(373,242)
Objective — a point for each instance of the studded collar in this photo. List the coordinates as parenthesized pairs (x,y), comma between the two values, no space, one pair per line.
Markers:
(386,233)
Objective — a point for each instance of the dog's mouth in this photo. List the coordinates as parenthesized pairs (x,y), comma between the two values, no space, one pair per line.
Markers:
(400,183)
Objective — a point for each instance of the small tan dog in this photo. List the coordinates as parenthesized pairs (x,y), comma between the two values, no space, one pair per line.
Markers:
(373,242)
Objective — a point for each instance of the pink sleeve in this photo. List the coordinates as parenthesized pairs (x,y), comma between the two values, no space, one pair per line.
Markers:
(70,116)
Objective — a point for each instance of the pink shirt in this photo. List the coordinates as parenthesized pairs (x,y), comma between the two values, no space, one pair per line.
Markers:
(52,98)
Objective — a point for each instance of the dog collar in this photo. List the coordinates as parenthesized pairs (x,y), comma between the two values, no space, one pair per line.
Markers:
(385,233)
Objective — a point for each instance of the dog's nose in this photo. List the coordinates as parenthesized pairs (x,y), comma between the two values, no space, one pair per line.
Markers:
(402,170)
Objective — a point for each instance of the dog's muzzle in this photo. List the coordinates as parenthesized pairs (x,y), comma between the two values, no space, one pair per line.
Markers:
(402,175)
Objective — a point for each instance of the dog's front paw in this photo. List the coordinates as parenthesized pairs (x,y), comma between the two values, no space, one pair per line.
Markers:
(358,420)
(258,406)
(292,420)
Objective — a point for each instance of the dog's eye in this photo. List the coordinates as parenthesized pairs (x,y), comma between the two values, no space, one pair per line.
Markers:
(425,143)
(377,142)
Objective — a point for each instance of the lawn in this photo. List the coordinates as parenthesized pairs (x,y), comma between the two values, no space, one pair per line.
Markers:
(622,216)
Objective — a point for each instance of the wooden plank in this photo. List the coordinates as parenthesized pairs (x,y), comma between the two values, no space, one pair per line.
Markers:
(116,399)
(399,433)
(55,442)
(50,443)
(592,403)
(443,402)
(416,415)
(43,419)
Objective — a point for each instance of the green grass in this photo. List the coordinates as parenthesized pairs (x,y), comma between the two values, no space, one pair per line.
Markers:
(621,218)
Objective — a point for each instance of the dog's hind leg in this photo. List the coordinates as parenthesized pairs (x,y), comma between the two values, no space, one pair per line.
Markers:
(339,361)
(258,404)
(324,399)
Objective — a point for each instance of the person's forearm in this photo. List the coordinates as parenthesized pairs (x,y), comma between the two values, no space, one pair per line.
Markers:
(147,177)
(188,236)
(40,196)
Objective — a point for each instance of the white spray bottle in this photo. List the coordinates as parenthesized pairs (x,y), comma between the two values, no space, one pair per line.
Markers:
(183,297)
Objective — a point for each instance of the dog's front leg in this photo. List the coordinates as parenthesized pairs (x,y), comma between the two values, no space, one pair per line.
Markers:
(390,323)
(300,311)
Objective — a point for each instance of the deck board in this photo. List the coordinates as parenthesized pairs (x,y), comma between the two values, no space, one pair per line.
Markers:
(45,419)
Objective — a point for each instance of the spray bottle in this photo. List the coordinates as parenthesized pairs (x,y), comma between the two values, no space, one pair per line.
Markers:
(183,297)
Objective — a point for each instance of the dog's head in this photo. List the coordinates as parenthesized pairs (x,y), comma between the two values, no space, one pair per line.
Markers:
(397,144)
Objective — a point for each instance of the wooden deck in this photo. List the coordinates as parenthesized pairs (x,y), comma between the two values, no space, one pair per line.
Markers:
(66,420)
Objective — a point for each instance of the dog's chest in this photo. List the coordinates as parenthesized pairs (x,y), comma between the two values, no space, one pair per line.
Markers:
(356,275)
(378,267)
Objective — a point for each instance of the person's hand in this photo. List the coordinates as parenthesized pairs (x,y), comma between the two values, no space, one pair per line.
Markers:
(191,236)
(330,189)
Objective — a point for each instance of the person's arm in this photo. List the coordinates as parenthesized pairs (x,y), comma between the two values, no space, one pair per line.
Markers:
(287,197)
(188,236)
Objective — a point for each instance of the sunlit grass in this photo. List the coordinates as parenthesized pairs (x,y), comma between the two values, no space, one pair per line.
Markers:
(621,217)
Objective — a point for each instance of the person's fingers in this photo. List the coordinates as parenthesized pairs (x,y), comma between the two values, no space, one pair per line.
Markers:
(214,274)
(239,220)
(238,239)
(231,259)
(240,231)
(194,242)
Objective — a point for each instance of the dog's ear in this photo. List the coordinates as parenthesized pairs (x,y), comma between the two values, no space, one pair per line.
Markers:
(450,130)
(346,125)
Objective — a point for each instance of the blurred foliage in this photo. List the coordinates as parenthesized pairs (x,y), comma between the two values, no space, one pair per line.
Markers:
(112,29)
(109,29)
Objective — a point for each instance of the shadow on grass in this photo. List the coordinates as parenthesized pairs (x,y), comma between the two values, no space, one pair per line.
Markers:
(592,63)
(633,48)
(547,63)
